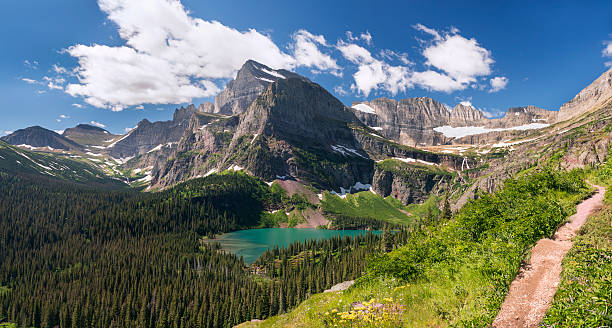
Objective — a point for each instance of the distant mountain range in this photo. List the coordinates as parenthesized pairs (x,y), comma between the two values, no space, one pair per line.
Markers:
(278,125)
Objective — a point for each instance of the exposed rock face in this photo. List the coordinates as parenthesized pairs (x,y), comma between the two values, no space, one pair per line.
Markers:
(199,151)
(411,121)
(252,79)
(409,184)
(146,136)
(297,128)
(597,93)
(87,135)
(524,115)
(37,136)
(206,107)
(408,121)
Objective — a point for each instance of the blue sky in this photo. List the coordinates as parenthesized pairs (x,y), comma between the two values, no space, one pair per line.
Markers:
(116,62)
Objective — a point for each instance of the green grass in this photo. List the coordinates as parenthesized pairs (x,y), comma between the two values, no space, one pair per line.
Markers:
(458,273)
(584,297)
(366,204)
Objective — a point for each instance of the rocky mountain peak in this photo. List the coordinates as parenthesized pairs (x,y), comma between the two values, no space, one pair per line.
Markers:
(252,79)
(465,115)
(206,107)
(37,136)
(597,93)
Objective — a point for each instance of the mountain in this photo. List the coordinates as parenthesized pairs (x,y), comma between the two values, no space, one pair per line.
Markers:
(54,167)
(252,79)
(296,130)
(89,135)
(596,94)
(147,135)
(407,121)
(465,115)
(39,137)
(412,121)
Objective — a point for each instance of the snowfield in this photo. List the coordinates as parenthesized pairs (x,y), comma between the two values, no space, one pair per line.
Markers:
(364,108)
(462,131)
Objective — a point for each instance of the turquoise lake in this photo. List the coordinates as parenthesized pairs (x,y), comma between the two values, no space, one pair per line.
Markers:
(250,244)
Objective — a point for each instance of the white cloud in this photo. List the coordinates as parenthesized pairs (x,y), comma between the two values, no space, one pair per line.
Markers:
(59,69)
(372,73)
(98,124)
(466,103)
(171,57)
(306,52)
(30,81)
(455,63)
(430,31)
(367,37)
(7,132)
(30,64)
(58,120)
(462,59)
(435,81)
(607,50)
(139,107)
(340,91)
(129,129)
(493,112)
(64,116)
(78,105)
(498,83)
(53,86)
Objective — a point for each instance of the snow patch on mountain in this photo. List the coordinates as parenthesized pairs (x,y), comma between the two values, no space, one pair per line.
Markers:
(364,108)
(462,131)
(346,151)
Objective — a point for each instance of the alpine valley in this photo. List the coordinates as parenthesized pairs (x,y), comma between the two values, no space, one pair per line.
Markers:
(105,230)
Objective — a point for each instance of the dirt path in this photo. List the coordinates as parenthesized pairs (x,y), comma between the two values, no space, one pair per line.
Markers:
(534,287)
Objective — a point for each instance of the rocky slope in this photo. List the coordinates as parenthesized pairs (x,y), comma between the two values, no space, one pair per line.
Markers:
(38,137)
(412,121)
(294,130)
(252,79)
(88,135)
(596,94)
(148,135)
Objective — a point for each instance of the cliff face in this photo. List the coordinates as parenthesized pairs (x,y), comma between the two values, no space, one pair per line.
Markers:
(412,121)
(597,93)
(409,183)
(252,79)
(147,135)
(199,151)
(296,128)
(463,115)
(408,121)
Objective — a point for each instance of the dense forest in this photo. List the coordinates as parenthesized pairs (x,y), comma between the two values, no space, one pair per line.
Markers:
(72,256)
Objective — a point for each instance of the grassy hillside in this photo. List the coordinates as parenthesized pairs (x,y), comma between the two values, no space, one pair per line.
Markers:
(367,205)
(584,298)
(454,274)
(37,165)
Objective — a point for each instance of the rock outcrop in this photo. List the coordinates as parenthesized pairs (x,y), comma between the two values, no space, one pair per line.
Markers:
(148,135)
(597,93)
(409,183)
(408,121)
(296,128)
(252,79)
(412,121)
